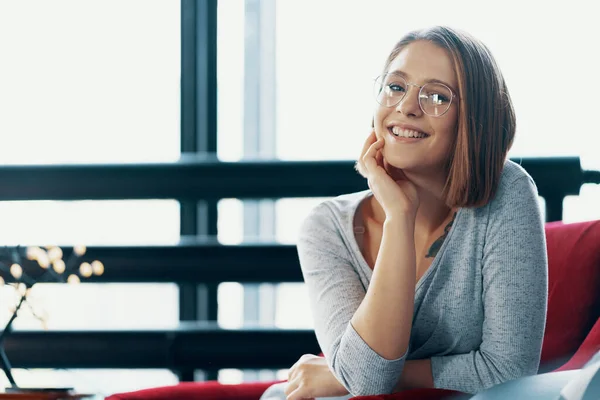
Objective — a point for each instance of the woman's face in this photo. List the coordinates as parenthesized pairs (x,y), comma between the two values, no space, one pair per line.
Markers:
(418,63)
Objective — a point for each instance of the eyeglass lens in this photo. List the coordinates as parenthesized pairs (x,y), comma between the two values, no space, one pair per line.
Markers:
(434,98)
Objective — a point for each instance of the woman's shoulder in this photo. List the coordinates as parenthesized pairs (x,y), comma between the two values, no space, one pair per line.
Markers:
(333,215)
(516,190)
(513,184)
(513,172)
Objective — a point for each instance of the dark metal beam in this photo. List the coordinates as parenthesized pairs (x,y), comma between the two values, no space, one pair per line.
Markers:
(197,346)
(591,177)
(554,208)
(555,176)
(198,136)
(197,177)
(198,262)
(199,76)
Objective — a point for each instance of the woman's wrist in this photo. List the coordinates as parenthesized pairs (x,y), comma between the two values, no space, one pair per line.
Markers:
(400,220)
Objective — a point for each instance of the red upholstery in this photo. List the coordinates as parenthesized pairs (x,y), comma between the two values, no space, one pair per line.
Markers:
(418,394)
(252,391)
(573,308)
(574,288)
(588,348)
(199,390)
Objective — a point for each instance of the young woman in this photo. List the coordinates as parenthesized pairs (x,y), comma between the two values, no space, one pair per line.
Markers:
(437,275)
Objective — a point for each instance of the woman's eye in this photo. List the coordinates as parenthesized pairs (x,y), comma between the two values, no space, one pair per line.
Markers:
(396,88)
(440,99)
(435,98)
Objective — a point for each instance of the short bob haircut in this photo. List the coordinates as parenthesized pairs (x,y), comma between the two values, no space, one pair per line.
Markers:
(486,118)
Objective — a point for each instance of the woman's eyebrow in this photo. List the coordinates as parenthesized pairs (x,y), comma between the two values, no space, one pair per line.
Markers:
(432,80)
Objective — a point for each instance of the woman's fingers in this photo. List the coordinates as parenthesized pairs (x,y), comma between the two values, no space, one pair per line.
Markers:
(372,138)
(290,387)
(369,160)
(292,371)
(295,395)
(379,158)
(296,392)
(359,166)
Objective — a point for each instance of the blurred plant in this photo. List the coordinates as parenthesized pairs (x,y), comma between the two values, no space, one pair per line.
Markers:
(22,269)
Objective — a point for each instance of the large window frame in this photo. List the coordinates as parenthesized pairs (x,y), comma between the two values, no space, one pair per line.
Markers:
(198,300)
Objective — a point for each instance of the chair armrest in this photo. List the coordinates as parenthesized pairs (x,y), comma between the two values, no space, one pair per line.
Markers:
(419,394)
(212,390)
(589,347)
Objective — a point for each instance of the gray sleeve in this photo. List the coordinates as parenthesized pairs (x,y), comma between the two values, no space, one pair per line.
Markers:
(335,293)
(515,292)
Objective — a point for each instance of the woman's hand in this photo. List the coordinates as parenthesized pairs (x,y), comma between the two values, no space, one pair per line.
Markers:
(397,197)
(311,377)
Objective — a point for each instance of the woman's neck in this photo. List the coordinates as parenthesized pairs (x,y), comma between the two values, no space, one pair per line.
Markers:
(432,212)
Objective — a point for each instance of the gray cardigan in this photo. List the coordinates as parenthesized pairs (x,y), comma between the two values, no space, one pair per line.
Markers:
(480,309)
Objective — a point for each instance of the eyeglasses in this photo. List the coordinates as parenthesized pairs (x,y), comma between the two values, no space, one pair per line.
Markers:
(434,98)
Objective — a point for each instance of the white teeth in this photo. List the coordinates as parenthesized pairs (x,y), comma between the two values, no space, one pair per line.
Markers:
(397,131)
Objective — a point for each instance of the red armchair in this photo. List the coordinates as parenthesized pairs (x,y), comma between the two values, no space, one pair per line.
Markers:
(572,329)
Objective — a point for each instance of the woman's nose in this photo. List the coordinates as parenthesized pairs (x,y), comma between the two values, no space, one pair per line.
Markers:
(409,105)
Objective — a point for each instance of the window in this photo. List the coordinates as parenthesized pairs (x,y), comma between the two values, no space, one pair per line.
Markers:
(91,82)
(80,85)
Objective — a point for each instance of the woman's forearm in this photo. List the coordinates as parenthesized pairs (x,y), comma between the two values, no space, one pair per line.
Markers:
(416,374)
(384,318)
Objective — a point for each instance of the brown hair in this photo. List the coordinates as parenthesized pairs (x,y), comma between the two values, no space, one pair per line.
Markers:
(486,118)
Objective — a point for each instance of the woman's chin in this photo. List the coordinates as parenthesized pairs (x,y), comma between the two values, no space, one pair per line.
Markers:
(403,164)
(396,171)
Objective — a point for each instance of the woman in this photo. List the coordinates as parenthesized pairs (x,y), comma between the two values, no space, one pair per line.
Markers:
(437,275)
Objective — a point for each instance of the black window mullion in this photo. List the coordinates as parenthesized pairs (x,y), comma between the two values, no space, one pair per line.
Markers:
(198,136)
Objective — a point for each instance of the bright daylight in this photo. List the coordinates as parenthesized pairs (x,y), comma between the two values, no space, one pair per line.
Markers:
(293,200)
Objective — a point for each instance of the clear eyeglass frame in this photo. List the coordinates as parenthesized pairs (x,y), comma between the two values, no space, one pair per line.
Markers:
(431,91)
